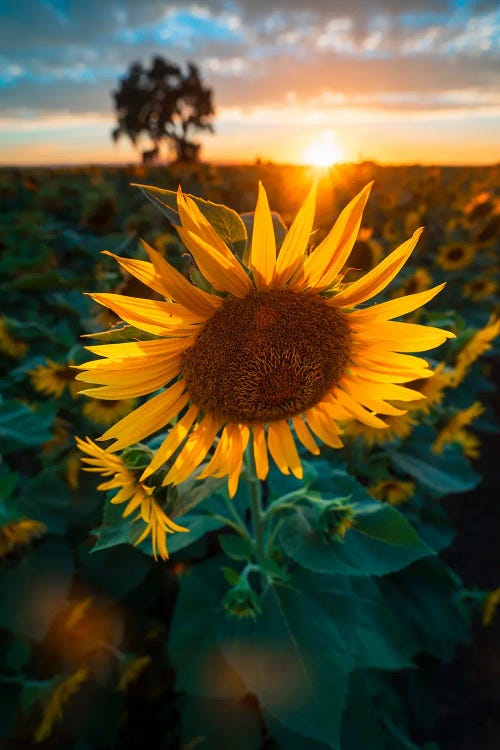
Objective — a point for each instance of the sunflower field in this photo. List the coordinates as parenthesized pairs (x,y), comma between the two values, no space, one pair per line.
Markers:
(231,476)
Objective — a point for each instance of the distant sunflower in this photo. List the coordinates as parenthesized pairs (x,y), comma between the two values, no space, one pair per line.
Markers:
(478,344)
(8,344)
(419,281)
(52,379)
(400,425)
(480,288)
(456,256)
(105,412)
(276,345)
(392,491)
(137,496)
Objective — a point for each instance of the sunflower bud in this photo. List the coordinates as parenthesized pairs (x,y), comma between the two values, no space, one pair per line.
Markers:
(336,518)
(242,601)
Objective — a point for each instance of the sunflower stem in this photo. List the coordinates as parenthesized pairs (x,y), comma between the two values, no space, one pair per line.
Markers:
(258,517)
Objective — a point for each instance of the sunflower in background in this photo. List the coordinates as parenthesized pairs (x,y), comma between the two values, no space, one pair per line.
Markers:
(107,411)
(456,256)
(53,379)
(273,346)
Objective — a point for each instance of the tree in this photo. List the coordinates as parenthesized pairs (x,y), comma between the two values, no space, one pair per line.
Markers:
(165,104)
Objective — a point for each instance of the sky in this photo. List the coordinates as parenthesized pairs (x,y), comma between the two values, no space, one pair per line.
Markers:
(397,82)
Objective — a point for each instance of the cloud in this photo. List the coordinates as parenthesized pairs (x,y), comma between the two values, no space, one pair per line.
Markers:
(433,54)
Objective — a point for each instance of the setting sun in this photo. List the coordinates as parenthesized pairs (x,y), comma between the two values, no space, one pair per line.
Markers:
(323,152)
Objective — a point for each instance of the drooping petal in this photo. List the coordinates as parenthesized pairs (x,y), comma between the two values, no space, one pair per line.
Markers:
(282,448)
(260,452)
(329,257)
(295,243)
(158,318)
(263,254)
(194,451)
(304,435)
(323,427)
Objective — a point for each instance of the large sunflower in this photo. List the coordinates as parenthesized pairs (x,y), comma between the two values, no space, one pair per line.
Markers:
(272,346)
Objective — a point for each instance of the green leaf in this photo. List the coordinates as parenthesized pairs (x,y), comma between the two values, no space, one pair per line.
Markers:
(236,547)
(380,542)
(117,571)
(383,643)
(201,667)
(426,598)
(444,473)
(295,656)
(222,723)
(231,575)
(47,498)
(21,427)
(226,222)
(36,588)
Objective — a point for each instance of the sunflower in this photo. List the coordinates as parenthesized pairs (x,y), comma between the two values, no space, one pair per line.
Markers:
(399,426)
(105,412)
(479,343)
(392,491)
(137,495)
(432,389)
(274,345)
(419,281)
(449,432)
(52,379)
(8,344)
(480,288)
(19,533)
(456,256)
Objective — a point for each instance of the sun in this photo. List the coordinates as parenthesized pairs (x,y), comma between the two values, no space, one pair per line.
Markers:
(324,151)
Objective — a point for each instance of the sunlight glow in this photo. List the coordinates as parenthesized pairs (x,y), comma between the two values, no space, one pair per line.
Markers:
(323,152)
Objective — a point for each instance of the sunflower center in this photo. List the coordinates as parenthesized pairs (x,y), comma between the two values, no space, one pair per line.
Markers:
(268,356)
(455,253)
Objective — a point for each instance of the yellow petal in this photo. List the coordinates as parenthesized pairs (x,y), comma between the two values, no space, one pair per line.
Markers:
(180,289)
(148,315)
(154,415)
(175,437)
(135,349)
(395,307)
(323,427)
(295,243)
(378,278)
(325,262)
(402,337)
(358,411)
(156,373)
(263,256)
(143,271)
(226,275)
(304,435)
(283,450)
(194,451)
(239,441)
(193,219)
(260,452)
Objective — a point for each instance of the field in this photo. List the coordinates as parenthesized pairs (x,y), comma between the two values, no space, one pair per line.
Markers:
(98,649)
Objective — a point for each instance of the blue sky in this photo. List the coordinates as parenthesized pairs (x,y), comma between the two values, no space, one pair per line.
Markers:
(415,81)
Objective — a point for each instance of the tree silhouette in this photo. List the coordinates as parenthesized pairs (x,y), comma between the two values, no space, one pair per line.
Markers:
(163,103)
